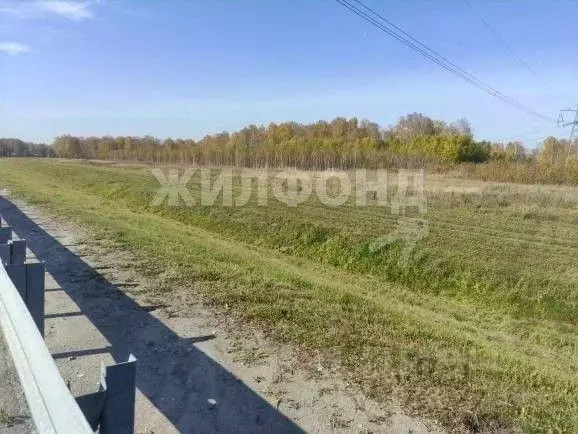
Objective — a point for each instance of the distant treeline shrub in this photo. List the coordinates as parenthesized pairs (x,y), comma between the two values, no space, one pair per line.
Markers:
(19,148)
(533,172)
(415,140)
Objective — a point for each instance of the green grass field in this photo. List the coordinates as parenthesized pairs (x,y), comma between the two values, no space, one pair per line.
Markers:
(477,329)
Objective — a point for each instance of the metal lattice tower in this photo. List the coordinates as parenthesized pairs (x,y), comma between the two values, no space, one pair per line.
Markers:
(563,121)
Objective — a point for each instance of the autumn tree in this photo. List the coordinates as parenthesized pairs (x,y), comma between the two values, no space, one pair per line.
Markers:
(553,151)
(414,125)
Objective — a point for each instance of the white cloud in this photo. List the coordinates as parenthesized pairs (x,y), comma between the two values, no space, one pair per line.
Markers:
(72,10)
(36,9)
(13,48)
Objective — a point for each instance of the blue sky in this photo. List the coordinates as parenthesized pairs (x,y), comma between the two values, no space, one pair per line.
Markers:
(185,68)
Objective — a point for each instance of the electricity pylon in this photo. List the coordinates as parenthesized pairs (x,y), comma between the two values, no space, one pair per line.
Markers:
(562,122)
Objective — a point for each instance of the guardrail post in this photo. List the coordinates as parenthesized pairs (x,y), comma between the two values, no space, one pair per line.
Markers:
(13,252)
(29,281)
(17,252)
(5,234)
(119,383)
(111,409)
(5,253)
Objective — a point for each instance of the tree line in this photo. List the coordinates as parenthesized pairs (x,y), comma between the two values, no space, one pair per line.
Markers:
(341,143)
(415,140)
(19,148)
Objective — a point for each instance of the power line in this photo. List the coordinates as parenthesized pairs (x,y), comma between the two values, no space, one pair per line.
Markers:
(405,38)
(429,53)
(504,43)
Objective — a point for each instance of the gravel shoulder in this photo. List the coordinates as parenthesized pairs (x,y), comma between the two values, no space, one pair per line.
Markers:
(14,413)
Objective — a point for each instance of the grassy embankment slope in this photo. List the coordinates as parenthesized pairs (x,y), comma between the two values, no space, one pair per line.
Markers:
(479,331)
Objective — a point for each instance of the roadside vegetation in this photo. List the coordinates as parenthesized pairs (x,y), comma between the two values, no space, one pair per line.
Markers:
(475,328)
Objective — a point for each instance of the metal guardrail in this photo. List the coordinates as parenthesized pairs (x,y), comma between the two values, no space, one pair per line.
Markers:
(52,406)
